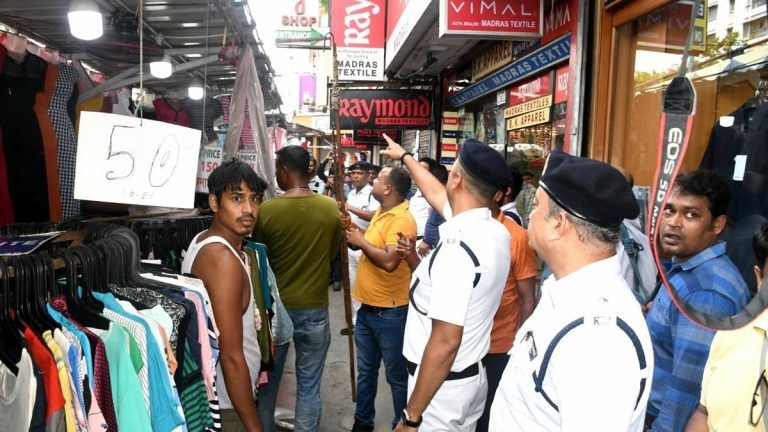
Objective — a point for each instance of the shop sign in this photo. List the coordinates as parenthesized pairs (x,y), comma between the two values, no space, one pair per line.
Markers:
(250,158)
(489,19)
(449,138)
(501,97)
(562,81)
(384,109)
(358,29)
(532,89)
(523,48)
(299,16)
(529,119)
(402,18)
(122,159)
(561,19)
(374,136)
(530,65)
(211,157)
(298,35)
(536,104)
(497,56)
(668,28)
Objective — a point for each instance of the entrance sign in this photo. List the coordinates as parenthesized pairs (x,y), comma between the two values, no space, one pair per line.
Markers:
(489,19)
(121,160)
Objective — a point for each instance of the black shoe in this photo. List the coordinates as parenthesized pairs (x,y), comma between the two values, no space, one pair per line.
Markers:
(346,332)
(358,427)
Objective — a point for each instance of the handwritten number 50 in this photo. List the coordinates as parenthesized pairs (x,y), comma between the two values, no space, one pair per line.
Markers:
(163,165)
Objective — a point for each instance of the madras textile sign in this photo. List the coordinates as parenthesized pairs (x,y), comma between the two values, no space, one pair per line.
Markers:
(525,107)
(488,19)
(358,29)
(530,65)
(384,109)
(374,136)
(497,56)
(529,119)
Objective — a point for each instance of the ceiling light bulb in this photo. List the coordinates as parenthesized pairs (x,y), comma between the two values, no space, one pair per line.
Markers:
(85,20)
(161,69)
(195,90)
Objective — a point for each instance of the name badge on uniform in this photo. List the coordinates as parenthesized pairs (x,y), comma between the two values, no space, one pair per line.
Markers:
(531,343)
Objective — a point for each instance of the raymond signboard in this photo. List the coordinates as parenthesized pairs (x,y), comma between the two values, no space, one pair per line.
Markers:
(384,109)
(358,29)
(489,19)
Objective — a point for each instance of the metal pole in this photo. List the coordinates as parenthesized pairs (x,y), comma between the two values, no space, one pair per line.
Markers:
(339,191)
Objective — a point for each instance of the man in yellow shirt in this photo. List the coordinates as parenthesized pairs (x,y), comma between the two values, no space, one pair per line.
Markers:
(382,285)
(734,389)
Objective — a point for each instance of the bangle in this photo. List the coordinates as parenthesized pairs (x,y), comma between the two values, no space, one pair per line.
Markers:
(404,155)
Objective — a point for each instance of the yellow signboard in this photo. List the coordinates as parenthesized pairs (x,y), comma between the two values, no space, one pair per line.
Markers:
(531,105)
(529,119)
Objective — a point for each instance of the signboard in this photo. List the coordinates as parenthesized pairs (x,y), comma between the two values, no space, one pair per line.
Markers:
(530,65)
(495,57)
(358,29)
(501,97)
(529,119)
(449,139)
(298,35)
(24,245)
(250,157)
(489,19)
(374,136)
(560,19)
(525,107)
(384,109)
(562,81)
(667,29)
(403,16)
(122,160)
(299,16)
(307,90)
(531,89)
(211,157)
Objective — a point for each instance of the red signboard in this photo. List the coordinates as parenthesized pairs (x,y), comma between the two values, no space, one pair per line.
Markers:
(531,89)
(562,78)
(395,10)
(561,19)
(384,109)
(374,136)
(518,19)
(358,30)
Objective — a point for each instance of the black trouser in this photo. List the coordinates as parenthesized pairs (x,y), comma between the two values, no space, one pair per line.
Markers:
(336,270)
(494,368)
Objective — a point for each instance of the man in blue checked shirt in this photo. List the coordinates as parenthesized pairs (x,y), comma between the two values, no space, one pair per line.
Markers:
(706,278)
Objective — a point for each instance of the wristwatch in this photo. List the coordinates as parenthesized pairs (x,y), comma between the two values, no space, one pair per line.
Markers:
(407,420)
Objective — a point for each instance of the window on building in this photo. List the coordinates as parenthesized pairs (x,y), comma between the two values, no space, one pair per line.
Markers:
(733,5)
(712,13)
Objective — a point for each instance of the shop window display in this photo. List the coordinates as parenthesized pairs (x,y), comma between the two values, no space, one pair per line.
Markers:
(730,128)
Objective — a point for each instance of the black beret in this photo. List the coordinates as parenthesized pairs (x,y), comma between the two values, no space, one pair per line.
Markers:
(588,189)
(485,164)
(362,165)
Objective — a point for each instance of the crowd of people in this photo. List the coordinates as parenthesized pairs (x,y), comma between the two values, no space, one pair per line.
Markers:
(496,302)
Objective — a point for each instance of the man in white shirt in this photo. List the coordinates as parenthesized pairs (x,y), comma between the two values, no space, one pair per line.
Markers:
(455,294)
(583,361)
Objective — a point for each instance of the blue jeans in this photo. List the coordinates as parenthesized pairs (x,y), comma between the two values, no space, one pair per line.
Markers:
(311,338)
(380,336)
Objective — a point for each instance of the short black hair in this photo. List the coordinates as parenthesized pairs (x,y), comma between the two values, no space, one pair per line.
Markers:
(760,245)
(707,184)
(295,158)
(400,180)
(440,172)
(431,163)
(230,174)
(517,180)
(374,169)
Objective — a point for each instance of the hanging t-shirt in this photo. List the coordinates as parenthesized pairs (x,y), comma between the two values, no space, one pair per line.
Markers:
(246,137)
(171,111)
(63,374)
(17,394)
(54,413)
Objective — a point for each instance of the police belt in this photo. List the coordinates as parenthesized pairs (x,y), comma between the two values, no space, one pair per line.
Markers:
(470,371)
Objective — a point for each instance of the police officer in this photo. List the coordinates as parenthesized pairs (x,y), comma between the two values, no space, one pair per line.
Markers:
(454,295)
(583,361)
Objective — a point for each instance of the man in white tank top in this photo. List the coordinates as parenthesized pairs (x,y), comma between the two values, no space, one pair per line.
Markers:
(235,193)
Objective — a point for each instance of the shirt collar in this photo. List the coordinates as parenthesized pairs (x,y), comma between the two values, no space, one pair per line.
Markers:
(467,217)
(362,191)
(396,210)
(707,254)
(571,289)
(761,322)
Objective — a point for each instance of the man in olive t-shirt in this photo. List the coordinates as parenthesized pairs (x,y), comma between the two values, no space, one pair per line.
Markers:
(302,231)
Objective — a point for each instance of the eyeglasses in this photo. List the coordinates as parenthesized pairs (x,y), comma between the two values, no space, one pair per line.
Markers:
(758,400)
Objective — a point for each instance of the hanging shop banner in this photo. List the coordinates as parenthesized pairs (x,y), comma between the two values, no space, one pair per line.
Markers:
(384,109)
(374,136)
(489,19)
(562,79)
(667,29)
(531,89)
(561,19)
(498,55)
(211,157)
(530,65)
(128,160)
(402,17)
(358,30)
(529,119)
(533,105)
(449,138)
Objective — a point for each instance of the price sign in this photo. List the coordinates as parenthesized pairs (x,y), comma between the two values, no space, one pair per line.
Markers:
(121,160)
(210,158)
(250,157)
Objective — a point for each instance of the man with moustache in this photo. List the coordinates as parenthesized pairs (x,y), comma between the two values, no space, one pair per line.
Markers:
(703,276)
(302,232)
(214,257)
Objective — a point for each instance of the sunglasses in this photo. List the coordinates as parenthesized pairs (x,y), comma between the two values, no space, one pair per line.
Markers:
(758,400)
